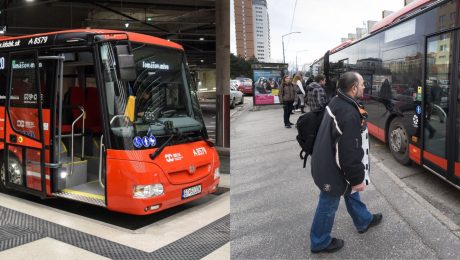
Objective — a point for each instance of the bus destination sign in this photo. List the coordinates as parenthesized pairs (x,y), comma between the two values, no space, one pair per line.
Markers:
(27,42)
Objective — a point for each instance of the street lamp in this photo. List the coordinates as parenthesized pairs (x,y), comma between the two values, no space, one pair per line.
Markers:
(297,52)
(282,39)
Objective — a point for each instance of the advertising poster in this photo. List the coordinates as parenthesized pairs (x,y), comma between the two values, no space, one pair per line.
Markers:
(266,80)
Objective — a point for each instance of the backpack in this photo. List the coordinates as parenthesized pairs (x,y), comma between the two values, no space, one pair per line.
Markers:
(307,127)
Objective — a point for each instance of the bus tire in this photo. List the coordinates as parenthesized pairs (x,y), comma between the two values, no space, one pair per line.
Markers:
(398,141)
(15,172)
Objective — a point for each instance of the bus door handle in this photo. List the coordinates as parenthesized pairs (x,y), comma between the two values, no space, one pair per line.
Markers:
(100,161)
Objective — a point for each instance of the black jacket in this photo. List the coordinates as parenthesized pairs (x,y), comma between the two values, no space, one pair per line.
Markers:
(339,160)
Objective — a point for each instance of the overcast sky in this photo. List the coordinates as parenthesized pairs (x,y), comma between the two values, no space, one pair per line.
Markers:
(322,24)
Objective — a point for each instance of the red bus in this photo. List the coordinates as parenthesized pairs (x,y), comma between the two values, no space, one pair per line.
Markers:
(103,117)
(410,64)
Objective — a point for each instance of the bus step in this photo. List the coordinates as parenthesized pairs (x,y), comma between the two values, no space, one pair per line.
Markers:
(89,198)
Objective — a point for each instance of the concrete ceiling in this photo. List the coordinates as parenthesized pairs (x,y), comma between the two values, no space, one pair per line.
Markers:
(191,23)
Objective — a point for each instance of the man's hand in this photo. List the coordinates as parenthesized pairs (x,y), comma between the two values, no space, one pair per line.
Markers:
(359,187)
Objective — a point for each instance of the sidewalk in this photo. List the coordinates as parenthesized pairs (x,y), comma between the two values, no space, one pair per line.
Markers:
(273,200)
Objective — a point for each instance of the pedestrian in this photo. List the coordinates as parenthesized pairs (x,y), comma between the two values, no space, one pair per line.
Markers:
(287,94)
(331,88)
(310,80)
(317,98)
(436,94)
(300,93)
(339,164)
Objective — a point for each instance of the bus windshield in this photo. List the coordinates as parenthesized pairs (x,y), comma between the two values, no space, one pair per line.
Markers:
(161,95)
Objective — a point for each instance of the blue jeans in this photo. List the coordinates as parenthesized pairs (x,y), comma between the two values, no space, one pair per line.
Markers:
(320,233)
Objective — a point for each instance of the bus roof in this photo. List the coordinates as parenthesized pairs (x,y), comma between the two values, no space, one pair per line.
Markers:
(135,37)
(387,21)
(398,14)
(340,46)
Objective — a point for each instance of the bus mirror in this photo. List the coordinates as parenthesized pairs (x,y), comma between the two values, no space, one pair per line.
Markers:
(126,64)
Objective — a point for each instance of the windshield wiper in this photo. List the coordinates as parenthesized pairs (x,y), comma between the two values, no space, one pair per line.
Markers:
(201,138)
(169,128)
(160,149)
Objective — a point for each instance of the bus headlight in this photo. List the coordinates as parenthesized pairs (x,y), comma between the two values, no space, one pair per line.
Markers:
(216,173)
(146,191)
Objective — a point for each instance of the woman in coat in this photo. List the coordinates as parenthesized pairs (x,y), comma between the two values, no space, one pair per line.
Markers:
(300,93)
(287,95)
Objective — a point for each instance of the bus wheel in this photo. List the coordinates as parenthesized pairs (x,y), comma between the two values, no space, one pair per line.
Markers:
(15,172)
(399,141)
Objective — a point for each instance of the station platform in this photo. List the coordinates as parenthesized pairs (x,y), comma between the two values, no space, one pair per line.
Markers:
(31,228)
(274,201)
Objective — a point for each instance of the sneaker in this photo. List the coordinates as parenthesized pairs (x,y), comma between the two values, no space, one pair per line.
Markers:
(288,126)
(376,219)
(335,245)
(291,123)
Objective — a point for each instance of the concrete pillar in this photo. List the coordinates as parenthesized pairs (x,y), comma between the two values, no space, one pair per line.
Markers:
(223,73)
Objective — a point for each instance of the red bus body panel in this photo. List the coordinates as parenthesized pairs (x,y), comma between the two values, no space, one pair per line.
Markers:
(171,168)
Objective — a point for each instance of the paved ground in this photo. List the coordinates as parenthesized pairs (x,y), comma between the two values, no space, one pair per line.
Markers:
(273,201)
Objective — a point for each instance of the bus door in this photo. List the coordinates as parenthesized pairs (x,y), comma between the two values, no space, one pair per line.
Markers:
(440,112)
(24,137)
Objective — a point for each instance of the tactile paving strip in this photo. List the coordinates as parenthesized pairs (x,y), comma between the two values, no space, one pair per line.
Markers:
(22,228)
(11,235)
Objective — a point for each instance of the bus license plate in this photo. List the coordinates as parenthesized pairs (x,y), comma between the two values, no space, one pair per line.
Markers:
(192,191)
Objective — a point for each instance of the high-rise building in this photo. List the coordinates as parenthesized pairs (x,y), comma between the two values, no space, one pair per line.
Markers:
(386,13)
(261,30)
(406,2)
(252,29)
(244,31)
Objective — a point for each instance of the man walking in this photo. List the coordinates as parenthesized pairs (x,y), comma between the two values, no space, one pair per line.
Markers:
(339,165)
(317,95)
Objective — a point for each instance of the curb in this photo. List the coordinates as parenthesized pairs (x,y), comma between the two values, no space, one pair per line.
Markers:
(454,228)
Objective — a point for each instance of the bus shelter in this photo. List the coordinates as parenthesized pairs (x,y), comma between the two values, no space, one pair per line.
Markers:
(266,81)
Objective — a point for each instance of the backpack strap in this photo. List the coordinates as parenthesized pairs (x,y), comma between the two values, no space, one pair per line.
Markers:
(303,155)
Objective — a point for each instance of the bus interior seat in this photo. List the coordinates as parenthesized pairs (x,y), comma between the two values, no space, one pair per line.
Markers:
(74,97)
(89,100)
(93,114)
